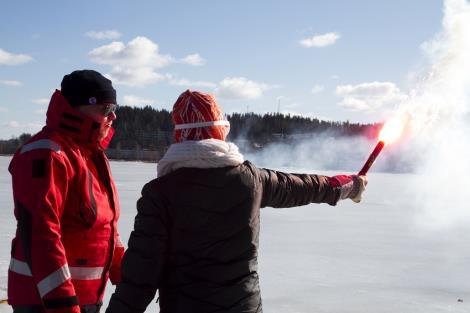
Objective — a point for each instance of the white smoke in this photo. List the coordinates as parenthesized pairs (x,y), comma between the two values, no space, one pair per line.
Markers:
(439,109)
(327,152)
(435,144)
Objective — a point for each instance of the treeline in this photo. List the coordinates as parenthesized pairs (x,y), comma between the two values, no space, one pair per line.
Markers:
(9,146)
(145,129)
(142,128)
(263,129)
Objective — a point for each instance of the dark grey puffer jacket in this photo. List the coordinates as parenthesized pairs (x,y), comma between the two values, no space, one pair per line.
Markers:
(195,237)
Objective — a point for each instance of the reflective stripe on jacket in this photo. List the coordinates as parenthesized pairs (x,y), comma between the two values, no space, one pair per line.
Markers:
(66,205)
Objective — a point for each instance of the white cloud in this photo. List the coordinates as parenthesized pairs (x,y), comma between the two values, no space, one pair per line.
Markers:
(7,58)
(14,128)
(41,101)
(135,101)
(136,77)
(319,41)
(240,88)
(12,83)
(355,104)
(25,127)
(41,111)
(133,64)
(106,34)
(3,109)
(137,62)
(369,96)
(317,89)
(193,59)
(12,124)
(138,52)
(188,83)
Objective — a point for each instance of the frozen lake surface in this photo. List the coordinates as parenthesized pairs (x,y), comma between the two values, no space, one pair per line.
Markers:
(369,257)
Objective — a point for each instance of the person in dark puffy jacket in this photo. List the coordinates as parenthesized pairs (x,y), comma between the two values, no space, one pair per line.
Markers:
(195,237)
(66,204)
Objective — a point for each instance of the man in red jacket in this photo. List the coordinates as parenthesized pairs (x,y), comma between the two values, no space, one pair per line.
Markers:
(66,244)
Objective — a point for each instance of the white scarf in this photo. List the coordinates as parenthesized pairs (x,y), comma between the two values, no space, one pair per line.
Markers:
(207,153)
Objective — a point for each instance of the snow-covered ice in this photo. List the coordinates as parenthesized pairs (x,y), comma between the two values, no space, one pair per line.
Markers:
(369,257)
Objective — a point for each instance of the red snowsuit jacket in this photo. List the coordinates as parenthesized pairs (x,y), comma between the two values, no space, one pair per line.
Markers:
(66,244)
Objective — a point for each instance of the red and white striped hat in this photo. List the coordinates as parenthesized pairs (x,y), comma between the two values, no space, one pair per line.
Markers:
(197,116)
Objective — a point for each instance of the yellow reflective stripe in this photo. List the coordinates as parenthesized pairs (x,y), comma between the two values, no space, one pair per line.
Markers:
(86,273)
(54,280)
(41,144)
(20,267)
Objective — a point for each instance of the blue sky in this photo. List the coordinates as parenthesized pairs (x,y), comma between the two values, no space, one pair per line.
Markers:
(335,60)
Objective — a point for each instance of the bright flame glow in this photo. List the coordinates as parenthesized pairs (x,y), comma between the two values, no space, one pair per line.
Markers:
(392,130)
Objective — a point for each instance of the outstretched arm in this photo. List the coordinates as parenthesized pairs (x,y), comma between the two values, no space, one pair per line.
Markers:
(287,190)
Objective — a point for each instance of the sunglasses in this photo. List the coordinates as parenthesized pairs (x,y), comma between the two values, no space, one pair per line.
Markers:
(109,108)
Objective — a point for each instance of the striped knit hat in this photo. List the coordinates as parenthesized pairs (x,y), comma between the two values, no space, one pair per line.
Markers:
(197,116)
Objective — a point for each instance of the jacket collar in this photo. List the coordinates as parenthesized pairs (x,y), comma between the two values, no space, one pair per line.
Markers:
(211,153)
(65,119)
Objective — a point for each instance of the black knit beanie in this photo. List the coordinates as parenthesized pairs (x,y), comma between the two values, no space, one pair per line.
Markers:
(87,87)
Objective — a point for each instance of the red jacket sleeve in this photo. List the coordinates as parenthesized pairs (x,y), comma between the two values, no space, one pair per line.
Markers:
(115,270)
(40,185)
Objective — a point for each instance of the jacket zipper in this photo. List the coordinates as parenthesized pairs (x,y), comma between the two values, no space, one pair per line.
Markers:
(111,239)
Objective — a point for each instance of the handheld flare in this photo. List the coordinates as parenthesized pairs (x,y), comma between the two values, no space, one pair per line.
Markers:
(390,132)
(371,158)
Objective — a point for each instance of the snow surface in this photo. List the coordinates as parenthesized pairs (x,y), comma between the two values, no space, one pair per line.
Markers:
(369,257)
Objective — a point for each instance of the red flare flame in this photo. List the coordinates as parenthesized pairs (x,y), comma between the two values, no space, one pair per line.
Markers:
(390,132)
